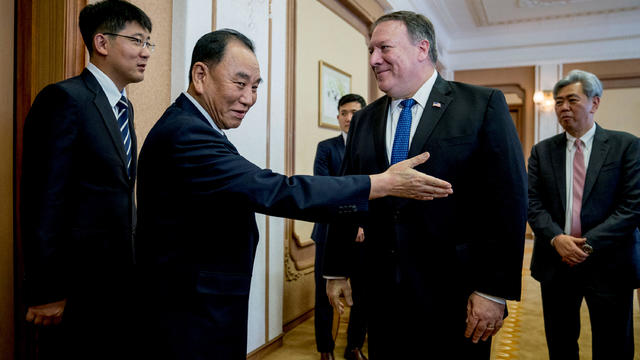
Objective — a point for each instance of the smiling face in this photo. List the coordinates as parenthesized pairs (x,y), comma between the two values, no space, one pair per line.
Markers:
(121,58)
(400,65)
(228,89)
(575,110)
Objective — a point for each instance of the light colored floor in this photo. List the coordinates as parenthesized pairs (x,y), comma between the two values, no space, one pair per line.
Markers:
(521,338)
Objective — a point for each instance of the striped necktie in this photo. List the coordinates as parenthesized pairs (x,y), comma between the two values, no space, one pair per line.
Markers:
(123,123)
(400,148)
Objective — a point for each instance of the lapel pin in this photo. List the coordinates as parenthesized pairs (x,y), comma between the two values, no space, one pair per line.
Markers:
(436,104)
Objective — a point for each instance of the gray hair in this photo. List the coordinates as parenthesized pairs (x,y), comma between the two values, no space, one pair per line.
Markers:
(418,27)
(591,85)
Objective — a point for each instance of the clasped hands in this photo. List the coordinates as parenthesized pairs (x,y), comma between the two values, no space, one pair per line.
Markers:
(570,249)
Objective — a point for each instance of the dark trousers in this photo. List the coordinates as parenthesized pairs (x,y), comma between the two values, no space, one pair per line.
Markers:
(610,313)
(405,323)
(357,329)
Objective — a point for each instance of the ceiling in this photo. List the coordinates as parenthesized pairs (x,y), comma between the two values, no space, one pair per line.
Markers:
(498,33)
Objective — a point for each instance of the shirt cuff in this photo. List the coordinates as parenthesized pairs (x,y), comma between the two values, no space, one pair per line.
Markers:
(334,277)
(492,298)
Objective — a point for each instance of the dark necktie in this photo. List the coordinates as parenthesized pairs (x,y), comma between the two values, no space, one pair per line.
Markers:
(400,147)
(579,173)
(123,123)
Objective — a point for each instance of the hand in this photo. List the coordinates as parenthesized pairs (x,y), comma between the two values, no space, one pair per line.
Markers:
(360,236)
(484,318)
(46,314)
(401,180)
(335,287)
(570,248)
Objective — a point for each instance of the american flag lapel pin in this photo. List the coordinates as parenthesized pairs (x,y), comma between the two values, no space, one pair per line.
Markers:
(436,104)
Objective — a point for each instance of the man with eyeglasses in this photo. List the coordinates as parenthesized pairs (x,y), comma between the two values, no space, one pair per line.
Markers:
(77,209)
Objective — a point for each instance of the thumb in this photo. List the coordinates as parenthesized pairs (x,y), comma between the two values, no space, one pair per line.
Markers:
(417,160)
(347,295)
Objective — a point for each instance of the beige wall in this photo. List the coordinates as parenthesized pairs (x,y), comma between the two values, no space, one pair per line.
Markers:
(620,110)
(152,96)
(321,35)
(6,180)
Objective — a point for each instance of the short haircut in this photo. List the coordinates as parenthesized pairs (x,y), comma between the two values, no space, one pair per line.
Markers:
(210,48)
(418,27)
(109,16)
(591,85)
(351,98)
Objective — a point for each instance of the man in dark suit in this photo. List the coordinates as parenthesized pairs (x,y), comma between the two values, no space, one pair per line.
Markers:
(327,163)
(446,265)
(197,199)
(77,206)
(584,207)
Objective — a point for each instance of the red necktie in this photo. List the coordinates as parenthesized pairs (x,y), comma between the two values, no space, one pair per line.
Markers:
(579,173)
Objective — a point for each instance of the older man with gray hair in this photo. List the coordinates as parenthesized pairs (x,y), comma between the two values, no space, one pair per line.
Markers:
(584,208)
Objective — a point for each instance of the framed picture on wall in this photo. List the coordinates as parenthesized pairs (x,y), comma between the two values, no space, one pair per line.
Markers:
(333,84)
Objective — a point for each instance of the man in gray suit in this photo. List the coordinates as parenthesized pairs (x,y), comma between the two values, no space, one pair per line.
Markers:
(584,207)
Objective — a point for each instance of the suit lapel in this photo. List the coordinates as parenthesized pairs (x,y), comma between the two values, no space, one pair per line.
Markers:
(558,159)
(440,94)
(106,113)
(379,121)
(599,150)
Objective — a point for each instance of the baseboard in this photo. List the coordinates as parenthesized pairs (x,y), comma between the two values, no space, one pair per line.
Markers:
(297,321)
(266,349)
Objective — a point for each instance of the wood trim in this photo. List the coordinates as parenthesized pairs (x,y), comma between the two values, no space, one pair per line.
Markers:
(75,51)
(347,15)
(268,165)
(214,12)
(297,321)
(263,351)
(614,74)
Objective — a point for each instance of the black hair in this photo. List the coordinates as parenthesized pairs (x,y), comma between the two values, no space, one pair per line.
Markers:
(109,16)
(210,47)
(351,98)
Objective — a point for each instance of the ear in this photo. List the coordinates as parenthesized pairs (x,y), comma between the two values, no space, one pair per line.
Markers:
(199,73)
(101,44)
(423,49)
(595,102)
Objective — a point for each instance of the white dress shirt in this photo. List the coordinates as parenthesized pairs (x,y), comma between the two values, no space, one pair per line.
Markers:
(587,140)
(108,86)
(204,112)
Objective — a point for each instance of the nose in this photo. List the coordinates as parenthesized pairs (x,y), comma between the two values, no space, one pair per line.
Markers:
(145,53)
(248,97)
(374,58)
(349,116)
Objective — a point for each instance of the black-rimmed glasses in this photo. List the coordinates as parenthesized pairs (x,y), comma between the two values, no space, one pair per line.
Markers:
(139,42)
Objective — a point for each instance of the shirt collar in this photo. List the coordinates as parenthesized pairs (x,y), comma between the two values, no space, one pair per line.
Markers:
(344,136)
(108,86)
(586,138)
(422,95)
(203,111)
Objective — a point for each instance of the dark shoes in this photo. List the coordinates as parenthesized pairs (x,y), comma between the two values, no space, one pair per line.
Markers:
(327,356)
(354,354)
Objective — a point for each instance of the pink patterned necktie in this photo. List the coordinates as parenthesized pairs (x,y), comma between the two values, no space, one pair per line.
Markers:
(579,173)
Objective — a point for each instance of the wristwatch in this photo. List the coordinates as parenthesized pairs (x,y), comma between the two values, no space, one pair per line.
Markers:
(587,248)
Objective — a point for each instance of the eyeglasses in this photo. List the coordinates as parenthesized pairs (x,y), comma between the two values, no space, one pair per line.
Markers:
(139,43)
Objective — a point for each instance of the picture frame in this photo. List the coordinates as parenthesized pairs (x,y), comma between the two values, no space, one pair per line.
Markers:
(333,83)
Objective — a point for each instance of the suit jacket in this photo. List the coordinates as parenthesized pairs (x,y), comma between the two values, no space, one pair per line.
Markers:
(610,209)
(77,206)
(471,240)
(327,163)
(197,233)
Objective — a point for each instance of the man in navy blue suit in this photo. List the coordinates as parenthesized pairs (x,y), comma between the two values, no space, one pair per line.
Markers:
(584,208)
(77,204)
(197,198)
(449,264)
(327,163)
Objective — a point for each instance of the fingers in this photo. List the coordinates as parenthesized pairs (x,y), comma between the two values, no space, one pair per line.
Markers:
(416,160)
(30,316)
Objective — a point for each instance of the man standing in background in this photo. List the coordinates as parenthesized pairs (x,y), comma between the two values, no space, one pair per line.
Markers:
(584,208)
(446,265)
(78,213)
(327,163)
